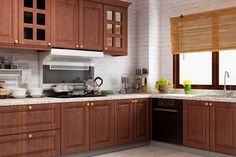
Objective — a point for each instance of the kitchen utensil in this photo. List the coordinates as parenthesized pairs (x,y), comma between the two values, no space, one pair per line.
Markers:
(92,86)
(36,92)
(125,83)
(18,92)
(63,88)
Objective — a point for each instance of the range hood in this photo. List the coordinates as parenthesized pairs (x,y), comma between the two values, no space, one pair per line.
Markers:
(64,59)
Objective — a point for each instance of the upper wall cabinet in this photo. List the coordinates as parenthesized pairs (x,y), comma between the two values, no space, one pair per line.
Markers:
(91,25)
(8,22)
(34,22)
(115,30)
(64,28)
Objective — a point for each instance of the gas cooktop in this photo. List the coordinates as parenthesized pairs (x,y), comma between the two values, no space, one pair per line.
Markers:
(77,96)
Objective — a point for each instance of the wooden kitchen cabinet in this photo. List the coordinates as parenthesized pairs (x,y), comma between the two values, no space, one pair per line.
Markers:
(101,124)
(74,127)
(115,30)
(196,124)
(223,127)
(210,126)
(64,26)
(91,25)
(34,23)
(29,118)
(124,117)
(8,21)
(142,120)
(35,144)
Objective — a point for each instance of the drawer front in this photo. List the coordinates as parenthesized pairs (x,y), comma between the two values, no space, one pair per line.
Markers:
(37,144)
(29,118)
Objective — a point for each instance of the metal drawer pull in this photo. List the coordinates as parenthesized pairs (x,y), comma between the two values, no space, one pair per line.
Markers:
(165,110)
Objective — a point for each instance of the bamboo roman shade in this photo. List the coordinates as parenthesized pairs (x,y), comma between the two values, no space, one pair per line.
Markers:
(210,31)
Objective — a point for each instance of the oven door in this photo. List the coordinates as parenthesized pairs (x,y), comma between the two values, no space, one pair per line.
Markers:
(168,122)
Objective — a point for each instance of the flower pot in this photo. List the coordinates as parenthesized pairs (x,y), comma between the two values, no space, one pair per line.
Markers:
(163,89)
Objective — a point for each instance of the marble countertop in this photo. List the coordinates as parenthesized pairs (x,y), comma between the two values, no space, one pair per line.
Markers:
(46,100)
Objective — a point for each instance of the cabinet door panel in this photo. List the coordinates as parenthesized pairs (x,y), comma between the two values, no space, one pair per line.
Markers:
(102,124)
(222,125)
(91,25)
(74,127)
(8,18)
(196,124)
(34,23)
(36,144)
(141,120)
(29,118)
(65,23)
(124,121)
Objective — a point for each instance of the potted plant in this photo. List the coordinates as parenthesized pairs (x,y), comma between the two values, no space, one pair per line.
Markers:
(162,85)
(187,86)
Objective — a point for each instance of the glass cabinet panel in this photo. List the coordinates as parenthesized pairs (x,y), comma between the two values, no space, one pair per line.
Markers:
(118,42)
(110,41)
(118,29)
(28,3)
(41,19)
(109,28)
(109,15)
(28,33)
(118,17)
(40,34)
(41,4)
(28,17)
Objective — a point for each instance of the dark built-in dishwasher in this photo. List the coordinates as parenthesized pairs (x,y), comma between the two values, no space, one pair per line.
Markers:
(167,122)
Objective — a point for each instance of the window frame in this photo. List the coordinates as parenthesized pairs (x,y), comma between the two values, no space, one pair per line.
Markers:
(215,74)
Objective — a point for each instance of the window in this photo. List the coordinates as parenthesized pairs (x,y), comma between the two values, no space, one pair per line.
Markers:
(196,67)
(227,62)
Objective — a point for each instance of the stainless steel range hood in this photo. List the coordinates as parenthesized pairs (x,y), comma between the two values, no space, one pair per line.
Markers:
(64,59)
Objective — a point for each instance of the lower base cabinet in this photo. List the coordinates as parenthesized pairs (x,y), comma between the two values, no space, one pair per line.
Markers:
(210,126)
(36,144)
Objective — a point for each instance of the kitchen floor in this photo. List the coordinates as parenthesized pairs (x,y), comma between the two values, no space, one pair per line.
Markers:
(149,151)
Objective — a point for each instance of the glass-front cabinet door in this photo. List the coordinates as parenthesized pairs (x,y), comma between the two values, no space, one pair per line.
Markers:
(115,30)
(34,22)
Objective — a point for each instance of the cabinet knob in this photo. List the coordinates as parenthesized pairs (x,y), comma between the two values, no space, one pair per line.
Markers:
(88,104)
(135,101)
(106,48)
(16,41)
(81,46)
(50,44)
(30,107)
(92,104)
(206,104)
(77,46)
(210,104)
(30,136)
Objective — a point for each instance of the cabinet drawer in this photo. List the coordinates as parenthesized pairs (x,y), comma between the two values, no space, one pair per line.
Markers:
(29,118)
(37,144)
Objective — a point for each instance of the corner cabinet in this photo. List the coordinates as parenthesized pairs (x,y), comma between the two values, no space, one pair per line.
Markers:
(115,30)
(210,126)
(34,23)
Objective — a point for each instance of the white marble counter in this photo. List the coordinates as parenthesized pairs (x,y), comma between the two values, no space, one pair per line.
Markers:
(46,100)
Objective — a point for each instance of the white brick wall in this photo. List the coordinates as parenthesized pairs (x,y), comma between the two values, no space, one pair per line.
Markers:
(173,8)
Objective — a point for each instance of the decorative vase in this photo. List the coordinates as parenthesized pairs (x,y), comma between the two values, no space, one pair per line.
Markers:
(163,89)
(187,89)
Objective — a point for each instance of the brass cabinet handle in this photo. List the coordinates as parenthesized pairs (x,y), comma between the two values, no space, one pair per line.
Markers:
(77,46)
(135,101)
(16,41)
(81,46)
(92,104)
(206,104)
(30,107)
(88,104)
(30,136)
(50,44)
(106,48)
(210,104)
